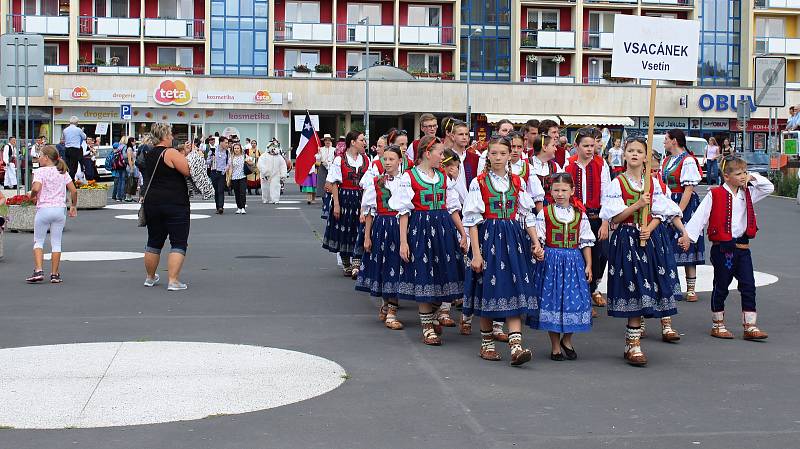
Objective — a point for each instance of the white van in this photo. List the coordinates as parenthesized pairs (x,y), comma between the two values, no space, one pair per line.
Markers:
(695,145)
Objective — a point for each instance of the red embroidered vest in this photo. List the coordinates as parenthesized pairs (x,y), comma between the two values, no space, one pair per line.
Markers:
(719,223)
(630,196)
(499,205)
(546,182)
(428,196)
(594,181)
(351,175)
(382,195)
(559,234)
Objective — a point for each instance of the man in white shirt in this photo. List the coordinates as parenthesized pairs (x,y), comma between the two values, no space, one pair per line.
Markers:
(73,138)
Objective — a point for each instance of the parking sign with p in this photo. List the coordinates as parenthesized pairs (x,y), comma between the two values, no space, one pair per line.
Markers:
(125,111)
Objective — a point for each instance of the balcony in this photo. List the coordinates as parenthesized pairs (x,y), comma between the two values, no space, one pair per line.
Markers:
(50,25)
(778,46)
(109,69)
(544,39)
(430,35)
(793,85)
(681,3)
(108,26)
(291,73)
(303,32)
(549,79)
(608,80)
(167,70)
(777,4)
(56,68)
(354,33)
(175,28)
(598,40)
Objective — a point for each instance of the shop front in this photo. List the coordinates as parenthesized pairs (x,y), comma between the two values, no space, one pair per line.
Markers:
(39,122)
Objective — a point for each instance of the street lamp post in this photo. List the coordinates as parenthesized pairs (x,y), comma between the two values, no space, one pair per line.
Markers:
(365,21)
(475,32)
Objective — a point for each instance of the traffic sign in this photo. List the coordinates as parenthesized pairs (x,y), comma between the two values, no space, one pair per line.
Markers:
(24,54)
(125,112)
(769,84)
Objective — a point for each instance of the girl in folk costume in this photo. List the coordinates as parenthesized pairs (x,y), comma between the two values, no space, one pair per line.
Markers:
(728,210)
(500,283)
(642,279)
(592,177)
(309,185)
(523,169)
(451,167)
(681,172)
(562,281)
(380,272)
(430,227)
(543,163)
(344,176)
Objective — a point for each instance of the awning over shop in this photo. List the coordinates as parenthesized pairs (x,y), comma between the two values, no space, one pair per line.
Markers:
(519,119)
(591,120)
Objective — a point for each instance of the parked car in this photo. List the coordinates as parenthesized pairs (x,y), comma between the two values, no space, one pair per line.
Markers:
(757,161)
(100,162)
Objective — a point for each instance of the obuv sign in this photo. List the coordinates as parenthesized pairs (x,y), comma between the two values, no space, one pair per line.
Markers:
(722,103)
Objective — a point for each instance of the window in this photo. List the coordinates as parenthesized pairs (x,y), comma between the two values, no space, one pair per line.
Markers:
(103,55)
(177,9)
(50,54)
(179,57)
(770,27)
(46,7)
(302,12)
(358,11)
(111,8)
(598,67)
(239,34)
(358,60)
(720,42)
(543,20)
(491,50)
(294,58)
(601,22)
(424,16)
(424,62)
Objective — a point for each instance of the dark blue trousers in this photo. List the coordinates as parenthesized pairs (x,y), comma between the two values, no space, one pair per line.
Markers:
(730,264)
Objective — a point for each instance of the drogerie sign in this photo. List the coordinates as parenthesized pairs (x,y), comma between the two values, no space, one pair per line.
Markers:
(655,48)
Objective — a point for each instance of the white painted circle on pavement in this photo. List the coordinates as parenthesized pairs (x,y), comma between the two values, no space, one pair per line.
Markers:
(287,208)
(193,206)
(96,256)
(705,279)
(89,385)
(135,216)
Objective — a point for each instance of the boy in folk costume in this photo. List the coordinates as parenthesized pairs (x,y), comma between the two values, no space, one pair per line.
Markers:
(728,211)
(428,125)
(592,178)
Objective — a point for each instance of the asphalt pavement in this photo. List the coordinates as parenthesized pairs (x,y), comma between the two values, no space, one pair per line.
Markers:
(263,280)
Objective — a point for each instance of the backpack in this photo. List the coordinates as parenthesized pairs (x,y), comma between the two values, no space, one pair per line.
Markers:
(140,162)
(118,161)
(109,159)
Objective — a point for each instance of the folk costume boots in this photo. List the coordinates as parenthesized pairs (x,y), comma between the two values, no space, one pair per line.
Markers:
(633,349)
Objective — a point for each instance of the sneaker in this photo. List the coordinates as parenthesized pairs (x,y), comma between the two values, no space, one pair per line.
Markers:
(37,276)
(55,278)
(238,211)
(244,211)
(151,282)
(176,286)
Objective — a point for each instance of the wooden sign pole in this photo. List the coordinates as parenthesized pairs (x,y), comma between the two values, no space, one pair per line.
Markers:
(648,167)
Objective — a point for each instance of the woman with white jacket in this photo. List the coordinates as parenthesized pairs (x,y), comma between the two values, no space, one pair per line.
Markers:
(272,168)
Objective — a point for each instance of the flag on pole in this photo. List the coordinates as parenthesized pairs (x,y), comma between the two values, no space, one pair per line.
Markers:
(307,151)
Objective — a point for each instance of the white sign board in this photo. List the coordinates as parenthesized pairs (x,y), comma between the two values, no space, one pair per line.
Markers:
(769,83)
(300,119)
(18,51)
(83,93)
(101,129)
(233,97)
(655,48)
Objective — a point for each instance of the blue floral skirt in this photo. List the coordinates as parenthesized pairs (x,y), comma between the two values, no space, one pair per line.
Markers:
(565,305)
(340,235)
(505,288)
(642,281)
(695,255)
(435,272)
(358,251)
(380,268)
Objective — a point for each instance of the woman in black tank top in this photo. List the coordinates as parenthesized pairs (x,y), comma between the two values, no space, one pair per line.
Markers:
(166,206)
